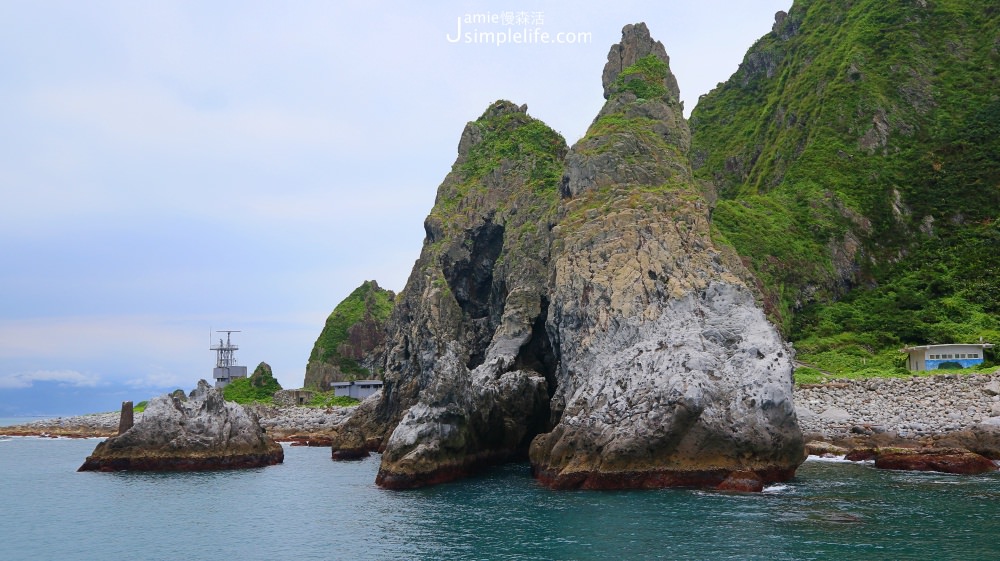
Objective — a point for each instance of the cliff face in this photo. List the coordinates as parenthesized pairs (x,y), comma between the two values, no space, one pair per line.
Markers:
(575,301)
(855,153)
(351,343)
(669,373)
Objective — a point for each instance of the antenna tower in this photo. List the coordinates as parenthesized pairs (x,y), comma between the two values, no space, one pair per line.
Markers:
(225,351)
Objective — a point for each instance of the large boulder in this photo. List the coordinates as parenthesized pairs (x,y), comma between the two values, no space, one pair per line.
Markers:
(946,460)
(203,432)
(981,438)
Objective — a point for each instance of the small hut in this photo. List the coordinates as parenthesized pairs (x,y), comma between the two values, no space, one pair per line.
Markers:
(932,357)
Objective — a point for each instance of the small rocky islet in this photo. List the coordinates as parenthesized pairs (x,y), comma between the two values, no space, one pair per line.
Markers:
(201,431)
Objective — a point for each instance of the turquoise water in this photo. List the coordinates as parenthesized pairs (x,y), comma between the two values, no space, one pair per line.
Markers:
(312,508)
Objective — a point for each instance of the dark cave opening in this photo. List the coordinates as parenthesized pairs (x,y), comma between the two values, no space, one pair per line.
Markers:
(538,355)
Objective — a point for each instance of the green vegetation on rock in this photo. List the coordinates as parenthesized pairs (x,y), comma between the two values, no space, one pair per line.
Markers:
(644,78)
(857,157)
(259,387)
(353,329)
(328,399)
(506,141)
(516,136)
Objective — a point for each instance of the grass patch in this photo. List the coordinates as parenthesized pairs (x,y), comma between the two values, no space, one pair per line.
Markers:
(240,391)
(328,399)
(258,388)
(644,78)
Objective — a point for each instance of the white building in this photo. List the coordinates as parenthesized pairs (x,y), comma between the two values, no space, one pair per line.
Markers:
(931,357)
(358,389)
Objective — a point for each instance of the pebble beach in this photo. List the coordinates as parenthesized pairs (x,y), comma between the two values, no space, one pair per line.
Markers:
(906,408)
(915,407)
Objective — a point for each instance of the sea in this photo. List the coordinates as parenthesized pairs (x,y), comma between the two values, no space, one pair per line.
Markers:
(311,507)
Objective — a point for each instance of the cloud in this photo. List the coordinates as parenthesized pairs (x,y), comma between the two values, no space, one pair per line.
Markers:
(155,351)
(91,337)
(73,378)
(158,380)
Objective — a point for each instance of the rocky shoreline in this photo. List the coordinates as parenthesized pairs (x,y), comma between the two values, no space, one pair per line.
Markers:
(95,425)
(915,408)
(939,410)
(303,425)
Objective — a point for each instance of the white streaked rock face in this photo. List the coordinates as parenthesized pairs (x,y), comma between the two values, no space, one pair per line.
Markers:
(667,365)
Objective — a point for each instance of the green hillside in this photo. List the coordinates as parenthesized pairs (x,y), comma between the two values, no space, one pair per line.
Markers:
(856,153)
(354,328)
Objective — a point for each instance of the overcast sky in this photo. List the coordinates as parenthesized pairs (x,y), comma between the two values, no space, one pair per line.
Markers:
(171,168)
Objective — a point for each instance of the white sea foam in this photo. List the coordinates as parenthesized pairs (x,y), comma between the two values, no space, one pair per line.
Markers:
(828,459)
(837,460)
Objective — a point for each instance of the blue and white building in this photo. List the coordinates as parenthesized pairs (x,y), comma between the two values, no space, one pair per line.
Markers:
(931,357)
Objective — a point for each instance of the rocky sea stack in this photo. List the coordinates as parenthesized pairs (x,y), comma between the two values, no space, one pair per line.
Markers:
(202,432)
(669,371)
(570,305)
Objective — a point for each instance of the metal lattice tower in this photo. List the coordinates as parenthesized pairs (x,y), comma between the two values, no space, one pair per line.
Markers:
(226,351)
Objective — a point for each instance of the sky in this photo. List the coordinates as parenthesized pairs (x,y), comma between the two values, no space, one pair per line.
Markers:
(170,169)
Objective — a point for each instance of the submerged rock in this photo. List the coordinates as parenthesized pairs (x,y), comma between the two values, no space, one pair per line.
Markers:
(201,433)
(825,449)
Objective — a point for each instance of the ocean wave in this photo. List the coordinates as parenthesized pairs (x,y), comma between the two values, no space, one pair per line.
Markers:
(829,459)
(834,460)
